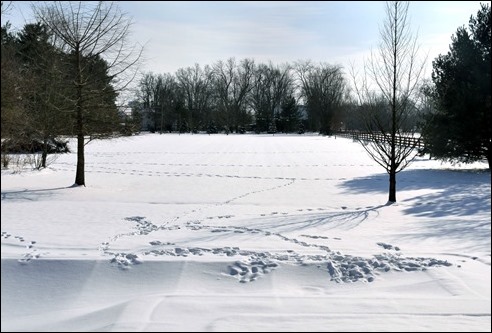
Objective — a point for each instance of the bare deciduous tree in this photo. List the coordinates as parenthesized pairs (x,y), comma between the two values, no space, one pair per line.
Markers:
(195,84)
(270,87)
(232,83)
(395,70)
(6,7)
(95,36)
(167,97)
(323,88)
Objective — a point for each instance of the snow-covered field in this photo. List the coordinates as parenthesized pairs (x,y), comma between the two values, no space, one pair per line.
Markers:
(244,233)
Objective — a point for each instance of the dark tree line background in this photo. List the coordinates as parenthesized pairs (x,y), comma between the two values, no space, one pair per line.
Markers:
(44,96)
(237,96)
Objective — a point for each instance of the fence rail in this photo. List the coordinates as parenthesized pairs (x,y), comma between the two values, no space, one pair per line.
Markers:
(407,141)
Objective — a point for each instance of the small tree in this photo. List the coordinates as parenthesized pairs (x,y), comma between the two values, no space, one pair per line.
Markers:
(396,73)
(94,36)
(460,127)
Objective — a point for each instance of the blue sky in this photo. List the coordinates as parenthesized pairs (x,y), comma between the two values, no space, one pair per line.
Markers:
(180,34)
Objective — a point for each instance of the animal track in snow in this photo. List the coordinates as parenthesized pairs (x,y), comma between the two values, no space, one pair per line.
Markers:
(251,270)
(153,173)
(388,246)
(352,269)
(315,237)
(226,165)
(217,217)
(125,260)
(143,227)
(341,268)
(122,259)
(6,235)
(29,245)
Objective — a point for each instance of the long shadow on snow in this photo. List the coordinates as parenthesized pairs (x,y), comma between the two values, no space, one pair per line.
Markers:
(455,192)
(474,235)
(31,195)
(344,220)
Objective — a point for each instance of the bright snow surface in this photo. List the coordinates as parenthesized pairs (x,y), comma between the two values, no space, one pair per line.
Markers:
(244,233)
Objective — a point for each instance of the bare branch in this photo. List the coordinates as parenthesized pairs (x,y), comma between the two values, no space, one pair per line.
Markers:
(395,71)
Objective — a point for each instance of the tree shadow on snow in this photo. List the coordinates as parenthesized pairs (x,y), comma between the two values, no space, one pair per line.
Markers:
(474,234)
(31,195)
(453,192)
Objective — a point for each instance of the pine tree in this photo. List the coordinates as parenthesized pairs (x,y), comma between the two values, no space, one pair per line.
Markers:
(289,117)
(460,128)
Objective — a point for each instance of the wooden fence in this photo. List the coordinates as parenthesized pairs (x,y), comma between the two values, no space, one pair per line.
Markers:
(406,141)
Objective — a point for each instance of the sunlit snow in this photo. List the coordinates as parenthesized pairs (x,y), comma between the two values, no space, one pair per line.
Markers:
(244,233)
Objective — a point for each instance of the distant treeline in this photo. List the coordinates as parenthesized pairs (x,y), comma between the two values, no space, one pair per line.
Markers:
(243,96)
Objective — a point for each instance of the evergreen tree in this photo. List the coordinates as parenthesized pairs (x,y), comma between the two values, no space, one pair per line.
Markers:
(289,117)
(44,87)
(460,128)
(13,116)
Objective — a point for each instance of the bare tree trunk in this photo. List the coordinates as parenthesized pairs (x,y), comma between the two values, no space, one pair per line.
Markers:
(392,180)
(392,184)
(44,153)
(80,174)
(396,71)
